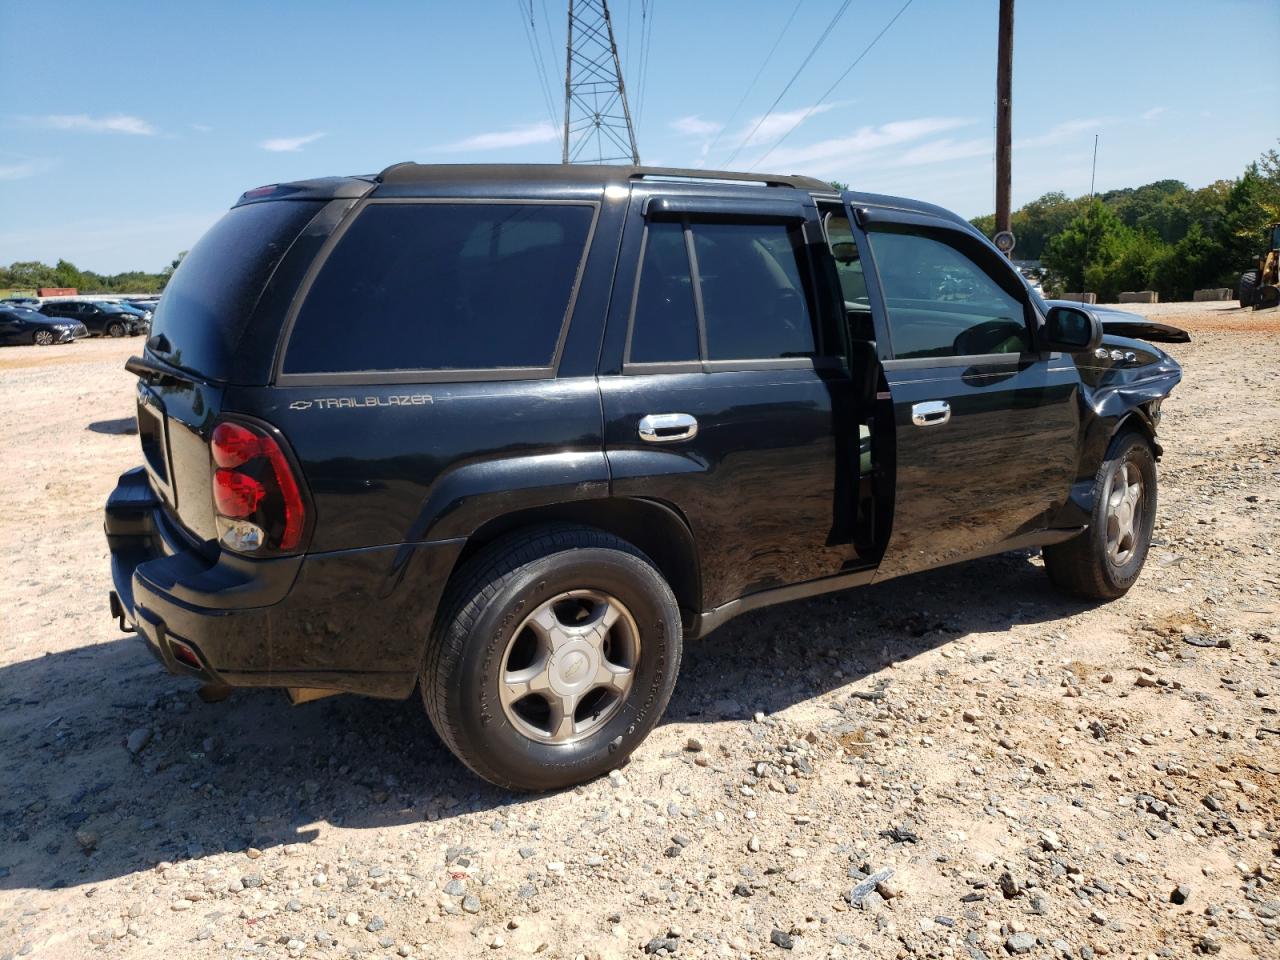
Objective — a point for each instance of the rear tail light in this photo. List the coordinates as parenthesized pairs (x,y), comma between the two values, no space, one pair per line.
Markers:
(256,496)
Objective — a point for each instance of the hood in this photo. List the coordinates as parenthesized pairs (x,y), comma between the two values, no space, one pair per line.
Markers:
(1126,324)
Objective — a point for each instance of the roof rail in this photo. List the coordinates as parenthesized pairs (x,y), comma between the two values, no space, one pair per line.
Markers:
(726,176)
(580,173)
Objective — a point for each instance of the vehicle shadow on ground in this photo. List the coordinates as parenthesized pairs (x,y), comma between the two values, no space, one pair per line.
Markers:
(116,428)
(80,807)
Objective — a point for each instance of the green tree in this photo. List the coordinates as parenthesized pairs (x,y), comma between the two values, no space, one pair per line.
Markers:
(177,261)
(30,273)
(1241,231)
(1091,242)
(1191,264)
(66,274)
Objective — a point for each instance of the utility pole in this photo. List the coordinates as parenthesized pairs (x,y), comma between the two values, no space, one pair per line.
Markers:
(1004,120)
(597,120)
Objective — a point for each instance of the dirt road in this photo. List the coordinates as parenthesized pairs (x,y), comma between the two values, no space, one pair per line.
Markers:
(1042,777)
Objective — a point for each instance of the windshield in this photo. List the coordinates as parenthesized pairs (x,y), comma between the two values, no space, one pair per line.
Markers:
(22,313)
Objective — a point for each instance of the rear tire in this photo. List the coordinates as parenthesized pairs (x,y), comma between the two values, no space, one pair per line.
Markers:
(555,653)
(1104,562)
(1248,288)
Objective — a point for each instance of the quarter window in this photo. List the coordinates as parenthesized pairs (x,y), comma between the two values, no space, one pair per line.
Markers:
(940,303)
(443,286)
(665,328)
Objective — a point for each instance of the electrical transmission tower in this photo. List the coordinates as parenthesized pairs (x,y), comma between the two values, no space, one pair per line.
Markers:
(597,120)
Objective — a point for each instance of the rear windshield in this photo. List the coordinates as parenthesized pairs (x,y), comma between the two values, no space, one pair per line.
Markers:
(210,297)
(443,286)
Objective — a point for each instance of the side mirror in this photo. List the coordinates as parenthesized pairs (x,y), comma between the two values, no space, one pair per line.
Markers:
(844,252)
(1071,330)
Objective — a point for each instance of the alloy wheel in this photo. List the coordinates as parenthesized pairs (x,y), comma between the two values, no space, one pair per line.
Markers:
(1124,513)
(569,666)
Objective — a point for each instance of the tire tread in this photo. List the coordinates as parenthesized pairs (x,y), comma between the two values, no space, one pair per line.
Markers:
(476,586)
(1072,565)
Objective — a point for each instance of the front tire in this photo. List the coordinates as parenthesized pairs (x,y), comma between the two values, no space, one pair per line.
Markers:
(115,330)
(1104,562)
(554,656)
(42,338)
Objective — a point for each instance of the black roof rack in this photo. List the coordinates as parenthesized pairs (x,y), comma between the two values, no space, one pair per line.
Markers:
(410,172)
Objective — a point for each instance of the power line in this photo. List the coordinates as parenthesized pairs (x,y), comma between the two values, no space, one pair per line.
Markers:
(751,86)
(809,56)
(546,28)
(627,53)
(539,65)
(839,80)
(647,11)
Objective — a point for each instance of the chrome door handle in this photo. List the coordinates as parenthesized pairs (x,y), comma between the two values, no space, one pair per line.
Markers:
(667,427)
(930,413)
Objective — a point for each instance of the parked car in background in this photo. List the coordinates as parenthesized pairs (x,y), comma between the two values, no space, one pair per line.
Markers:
(22,325)
(142,313)
(102,319)
(32,302)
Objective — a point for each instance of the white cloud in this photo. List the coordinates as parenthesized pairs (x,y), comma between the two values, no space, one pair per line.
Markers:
(941,151)
(776,124)
(521,136)
(20,168)
(115,123)
(1067,130)
(863,141)
(201,127)
(1153,113)
(695,126)
(289,144)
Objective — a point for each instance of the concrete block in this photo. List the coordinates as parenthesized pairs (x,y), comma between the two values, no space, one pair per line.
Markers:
(1215,293)
(1140,296)
(1080,297)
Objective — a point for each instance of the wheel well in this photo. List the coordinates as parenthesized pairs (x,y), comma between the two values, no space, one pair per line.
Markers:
(653,527)
(1138,420)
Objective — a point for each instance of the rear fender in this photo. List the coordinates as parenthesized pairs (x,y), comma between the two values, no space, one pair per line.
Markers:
(472,495)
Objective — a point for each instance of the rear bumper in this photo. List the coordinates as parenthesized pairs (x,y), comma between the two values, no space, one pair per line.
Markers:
(354,620)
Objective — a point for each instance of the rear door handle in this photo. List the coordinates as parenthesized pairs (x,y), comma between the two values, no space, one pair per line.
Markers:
(667,427)
(930,413)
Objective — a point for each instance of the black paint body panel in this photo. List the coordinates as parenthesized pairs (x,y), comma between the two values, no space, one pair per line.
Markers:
(403,481)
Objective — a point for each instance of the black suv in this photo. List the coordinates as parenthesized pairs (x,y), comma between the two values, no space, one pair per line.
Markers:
(509,434)
(100,318)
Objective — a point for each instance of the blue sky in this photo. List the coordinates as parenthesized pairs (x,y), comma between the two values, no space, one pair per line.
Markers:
(127,128)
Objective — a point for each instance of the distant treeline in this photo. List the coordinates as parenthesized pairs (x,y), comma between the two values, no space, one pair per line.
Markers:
(1162,236)
(31,274)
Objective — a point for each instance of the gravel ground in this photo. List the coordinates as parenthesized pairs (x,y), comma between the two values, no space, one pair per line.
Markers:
(962,763)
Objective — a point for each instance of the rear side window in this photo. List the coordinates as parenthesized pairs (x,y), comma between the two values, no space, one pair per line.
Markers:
(210,297)
(443,286)
(746,294)
(753,298)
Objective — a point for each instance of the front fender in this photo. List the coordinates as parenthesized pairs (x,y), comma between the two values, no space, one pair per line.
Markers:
(1118,392)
